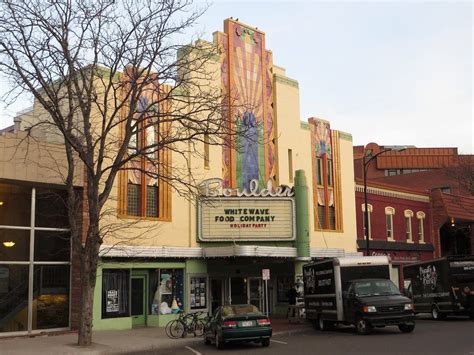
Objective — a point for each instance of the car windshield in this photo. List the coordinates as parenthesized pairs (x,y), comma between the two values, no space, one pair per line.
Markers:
(237,310)
(375,288)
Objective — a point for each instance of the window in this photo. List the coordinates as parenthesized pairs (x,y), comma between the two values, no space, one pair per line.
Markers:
(115,293)
(166,291)
(152,201)
(391,172)
(369,216)
(319,171)
(446,189)
(143,189)
(421,228)
(329,172)
(134,203)
(408,216)
(206,151)
(321,217)
(332,217)
(198,298)
(389,213)
(290,165)
(34,257)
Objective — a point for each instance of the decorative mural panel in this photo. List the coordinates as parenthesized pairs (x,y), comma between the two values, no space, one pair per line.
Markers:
(246,69)
(325,164)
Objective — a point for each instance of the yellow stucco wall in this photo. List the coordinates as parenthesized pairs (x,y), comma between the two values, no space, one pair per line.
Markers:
(181,230)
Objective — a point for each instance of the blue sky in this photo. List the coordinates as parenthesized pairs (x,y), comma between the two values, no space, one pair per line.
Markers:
(388,72)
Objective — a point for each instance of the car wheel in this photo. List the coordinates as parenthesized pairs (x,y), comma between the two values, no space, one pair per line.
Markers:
(219,343)
(363,327)
(406,328)
(265,342)
(436,314)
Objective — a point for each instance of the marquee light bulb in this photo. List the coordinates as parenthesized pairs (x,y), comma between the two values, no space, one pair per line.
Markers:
(8,244)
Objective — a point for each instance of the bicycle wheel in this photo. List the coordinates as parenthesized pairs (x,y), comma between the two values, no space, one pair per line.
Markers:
(168,328)
(199,326)
(177,329)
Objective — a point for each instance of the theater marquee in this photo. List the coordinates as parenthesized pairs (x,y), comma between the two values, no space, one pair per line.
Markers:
(244,218)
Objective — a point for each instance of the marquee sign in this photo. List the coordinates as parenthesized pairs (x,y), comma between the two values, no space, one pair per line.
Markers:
(263,214)
(241,218)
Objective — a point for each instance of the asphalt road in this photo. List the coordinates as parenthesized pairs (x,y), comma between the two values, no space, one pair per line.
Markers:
(454,336)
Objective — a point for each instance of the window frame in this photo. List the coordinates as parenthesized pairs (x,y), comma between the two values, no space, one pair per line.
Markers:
(370,209)
(390,232)
(408,225)
(420,216)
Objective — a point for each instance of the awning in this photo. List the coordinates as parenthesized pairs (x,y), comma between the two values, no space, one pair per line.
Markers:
(129,251)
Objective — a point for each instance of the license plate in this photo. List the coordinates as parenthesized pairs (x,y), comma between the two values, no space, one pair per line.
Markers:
(246,323)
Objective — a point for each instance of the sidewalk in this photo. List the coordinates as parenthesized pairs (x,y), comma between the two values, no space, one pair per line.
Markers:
(116,341)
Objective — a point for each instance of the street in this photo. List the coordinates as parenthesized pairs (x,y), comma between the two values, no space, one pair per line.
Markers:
(453,336)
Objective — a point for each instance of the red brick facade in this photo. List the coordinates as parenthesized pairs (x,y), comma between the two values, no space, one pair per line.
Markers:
(399,249)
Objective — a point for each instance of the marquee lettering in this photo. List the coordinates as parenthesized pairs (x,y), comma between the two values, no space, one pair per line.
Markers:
(214,188)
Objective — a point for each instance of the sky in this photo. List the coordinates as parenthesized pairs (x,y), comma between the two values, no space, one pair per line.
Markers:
(394,73)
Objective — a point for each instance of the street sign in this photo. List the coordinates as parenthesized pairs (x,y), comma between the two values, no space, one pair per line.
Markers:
(266,274)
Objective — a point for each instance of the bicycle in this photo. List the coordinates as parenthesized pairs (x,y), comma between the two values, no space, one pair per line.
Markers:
(185,324)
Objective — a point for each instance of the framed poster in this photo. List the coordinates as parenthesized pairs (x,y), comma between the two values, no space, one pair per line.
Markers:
(112,301)
(198,297)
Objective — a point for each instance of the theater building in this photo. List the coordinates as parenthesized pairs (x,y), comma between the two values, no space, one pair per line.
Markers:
(280,201)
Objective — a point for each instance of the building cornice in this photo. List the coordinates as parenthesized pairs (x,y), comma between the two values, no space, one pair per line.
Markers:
(285,80)
(391,193)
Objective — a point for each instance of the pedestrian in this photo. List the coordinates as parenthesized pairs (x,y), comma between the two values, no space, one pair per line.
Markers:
(292,295)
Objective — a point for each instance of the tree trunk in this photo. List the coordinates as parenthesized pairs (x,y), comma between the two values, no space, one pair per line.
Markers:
(89,260)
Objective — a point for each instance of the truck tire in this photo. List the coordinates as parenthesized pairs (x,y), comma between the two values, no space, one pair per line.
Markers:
(363,327)
(325,325)
(406,328)
(436,314)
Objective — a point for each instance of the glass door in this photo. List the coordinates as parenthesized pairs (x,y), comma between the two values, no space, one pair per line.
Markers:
(138,300)
(238,290)
(255,292)
(217,293)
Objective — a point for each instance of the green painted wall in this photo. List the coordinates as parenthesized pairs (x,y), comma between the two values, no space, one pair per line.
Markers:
(302,216)
(136,269)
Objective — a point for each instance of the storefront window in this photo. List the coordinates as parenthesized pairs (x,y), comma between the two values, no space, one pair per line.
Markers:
(115,293)
(51,209)
(52,246)
(198,292)
(15,205)
(51,296)
(14,245)
(166,291)
(48,232)
(13,298)
(284,283)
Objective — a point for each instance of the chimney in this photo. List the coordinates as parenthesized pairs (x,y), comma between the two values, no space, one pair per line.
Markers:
(16,124)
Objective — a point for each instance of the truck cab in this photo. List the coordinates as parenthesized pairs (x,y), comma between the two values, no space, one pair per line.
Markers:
(371,303)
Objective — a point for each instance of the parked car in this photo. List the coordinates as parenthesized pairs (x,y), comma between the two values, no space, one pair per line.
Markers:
(355,291)
(237,323)
(442,286)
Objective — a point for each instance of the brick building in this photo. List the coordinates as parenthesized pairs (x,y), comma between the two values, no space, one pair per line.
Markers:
(399,223)
(442,175)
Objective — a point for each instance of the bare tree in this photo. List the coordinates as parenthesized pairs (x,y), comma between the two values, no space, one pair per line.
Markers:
(105,75)
(462,171)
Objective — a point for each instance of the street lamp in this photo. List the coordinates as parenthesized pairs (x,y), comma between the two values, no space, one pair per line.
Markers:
(367,159)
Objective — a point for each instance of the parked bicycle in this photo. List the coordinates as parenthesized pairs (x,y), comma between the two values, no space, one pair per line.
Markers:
(191,323)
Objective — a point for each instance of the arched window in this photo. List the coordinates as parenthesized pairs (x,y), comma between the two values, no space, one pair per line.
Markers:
(408,229)
(389,213)
(420,216)
(369,217)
